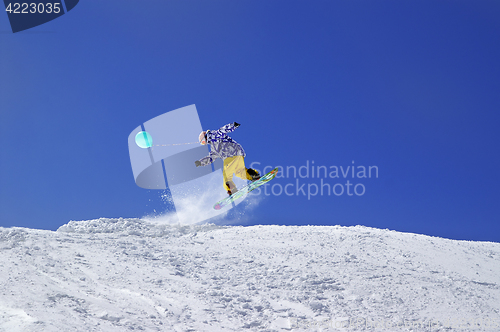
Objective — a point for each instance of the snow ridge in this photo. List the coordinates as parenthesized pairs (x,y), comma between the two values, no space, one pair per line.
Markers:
(131,226)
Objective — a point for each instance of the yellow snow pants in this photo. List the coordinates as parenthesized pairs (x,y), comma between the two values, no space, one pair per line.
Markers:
(234,165)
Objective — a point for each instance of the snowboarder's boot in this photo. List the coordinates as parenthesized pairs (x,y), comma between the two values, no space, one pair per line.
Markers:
(253,175)
(232,188)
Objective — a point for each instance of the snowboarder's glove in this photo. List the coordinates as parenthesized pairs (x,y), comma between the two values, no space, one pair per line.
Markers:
(197,163)
(236,125)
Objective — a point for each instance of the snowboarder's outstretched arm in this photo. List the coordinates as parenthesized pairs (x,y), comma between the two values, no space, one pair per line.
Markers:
(229,127)
(206,160)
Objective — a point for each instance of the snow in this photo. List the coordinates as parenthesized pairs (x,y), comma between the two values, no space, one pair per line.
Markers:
(130,274)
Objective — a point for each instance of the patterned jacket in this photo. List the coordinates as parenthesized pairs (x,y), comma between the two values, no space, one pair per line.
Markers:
(221,145)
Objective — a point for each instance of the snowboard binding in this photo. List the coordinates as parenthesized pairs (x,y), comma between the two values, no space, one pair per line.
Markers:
(253,175)
(232,188)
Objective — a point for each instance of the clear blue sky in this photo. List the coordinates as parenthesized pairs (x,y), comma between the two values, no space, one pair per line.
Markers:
(411,87)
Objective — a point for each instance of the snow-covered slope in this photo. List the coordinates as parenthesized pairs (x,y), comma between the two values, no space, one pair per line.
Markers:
(128,274)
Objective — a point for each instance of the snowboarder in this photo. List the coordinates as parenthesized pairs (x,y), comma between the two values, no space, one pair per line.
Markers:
(224,147)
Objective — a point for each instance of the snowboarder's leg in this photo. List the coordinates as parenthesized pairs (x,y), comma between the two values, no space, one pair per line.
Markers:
(238,165)
(227,171)
(239,168)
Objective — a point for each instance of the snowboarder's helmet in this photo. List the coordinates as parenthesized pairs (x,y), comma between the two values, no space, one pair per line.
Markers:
(203,138)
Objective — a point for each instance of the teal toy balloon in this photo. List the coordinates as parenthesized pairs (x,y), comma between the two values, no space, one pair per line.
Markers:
(143,139)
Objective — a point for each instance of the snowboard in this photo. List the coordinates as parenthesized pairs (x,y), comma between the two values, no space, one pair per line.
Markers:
(246,189)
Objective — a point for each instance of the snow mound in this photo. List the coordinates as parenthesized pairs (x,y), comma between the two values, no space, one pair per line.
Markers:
(11,237)
(131,226)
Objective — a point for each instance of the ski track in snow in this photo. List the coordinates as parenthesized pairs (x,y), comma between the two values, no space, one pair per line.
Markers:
(128,274)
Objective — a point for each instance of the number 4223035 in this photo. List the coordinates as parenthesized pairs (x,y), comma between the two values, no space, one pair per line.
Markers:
(32,8)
